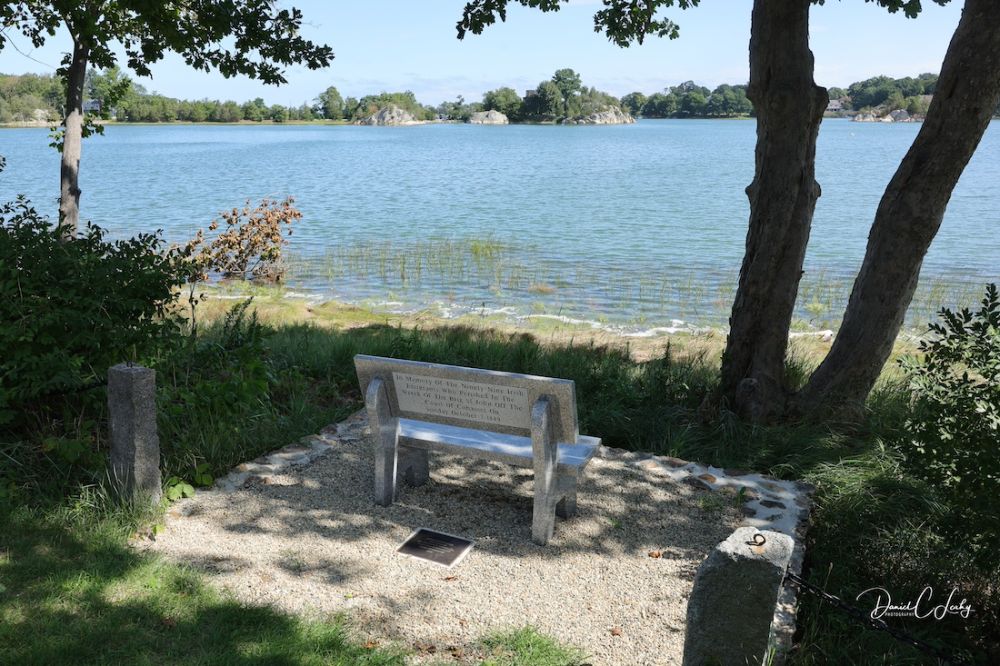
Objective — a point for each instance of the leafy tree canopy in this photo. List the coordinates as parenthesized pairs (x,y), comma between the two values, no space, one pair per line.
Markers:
(567,81)
(625,21)
(331,104)
(880,89)
(505,100)
(248,37)
(633,102)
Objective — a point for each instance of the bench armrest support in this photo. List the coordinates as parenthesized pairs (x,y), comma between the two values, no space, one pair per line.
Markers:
(544,451)
(385,430)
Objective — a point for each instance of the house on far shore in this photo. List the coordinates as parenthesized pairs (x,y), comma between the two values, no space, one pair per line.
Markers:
(530,93)
(835,106)
(94,106)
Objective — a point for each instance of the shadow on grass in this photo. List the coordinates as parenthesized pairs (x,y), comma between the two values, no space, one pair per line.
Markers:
(651,406)
(79,595)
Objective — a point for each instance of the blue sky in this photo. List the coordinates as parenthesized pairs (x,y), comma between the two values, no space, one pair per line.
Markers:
(411,45)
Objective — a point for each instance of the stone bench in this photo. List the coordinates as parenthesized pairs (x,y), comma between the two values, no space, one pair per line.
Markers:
(517,419)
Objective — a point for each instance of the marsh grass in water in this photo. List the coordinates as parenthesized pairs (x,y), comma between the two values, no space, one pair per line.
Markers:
(466,271)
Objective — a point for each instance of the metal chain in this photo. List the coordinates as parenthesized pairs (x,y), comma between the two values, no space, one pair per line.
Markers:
(758,540)
(873,623)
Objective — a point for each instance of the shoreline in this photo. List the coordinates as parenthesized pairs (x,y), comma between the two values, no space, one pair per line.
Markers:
(34,124)
(278,305)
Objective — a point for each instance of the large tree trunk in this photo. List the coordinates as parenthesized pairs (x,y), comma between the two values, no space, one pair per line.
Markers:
(789,107)
(69,190)
(910,214)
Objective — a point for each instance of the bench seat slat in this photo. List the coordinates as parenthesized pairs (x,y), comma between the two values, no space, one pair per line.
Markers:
(512,449)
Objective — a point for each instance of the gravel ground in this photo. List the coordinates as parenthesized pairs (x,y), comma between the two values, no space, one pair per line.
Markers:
(309,539)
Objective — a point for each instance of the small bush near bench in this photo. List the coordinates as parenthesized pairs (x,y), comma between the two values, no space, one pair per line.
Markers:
(954,429)
(952,443)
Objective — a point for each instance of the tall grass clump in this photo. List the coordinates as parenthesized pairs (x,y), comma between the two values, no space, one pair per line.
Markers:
(224,398)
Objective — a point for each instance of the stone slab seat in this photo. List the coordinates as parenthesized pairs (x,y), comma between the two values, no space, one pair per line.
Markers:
(511,449)
(522,420)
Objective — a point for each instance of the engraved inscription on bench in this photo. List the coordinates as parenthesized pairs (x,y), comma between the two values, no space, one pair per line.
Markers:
(470,401)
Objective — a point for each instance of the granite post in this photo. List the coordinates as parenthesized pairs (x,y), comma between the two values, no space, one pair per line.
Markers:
(734,598)
(135,445)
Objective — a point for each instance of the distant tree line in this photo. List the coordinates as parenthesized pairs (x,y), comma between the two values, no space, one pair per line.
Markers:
(353,109)
(28,97)
(689,100)
(562,96)
(21,96)
(911,94)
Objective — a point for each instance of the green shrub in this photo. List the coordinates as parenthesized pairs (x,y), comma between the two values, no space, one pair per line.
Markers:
(954,427)
(220,374)
(69,309)
(210,391)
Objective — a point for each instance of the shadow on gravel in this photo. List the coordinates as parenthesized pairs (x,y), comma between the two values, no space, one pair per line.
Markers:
(71,596)
(622,510)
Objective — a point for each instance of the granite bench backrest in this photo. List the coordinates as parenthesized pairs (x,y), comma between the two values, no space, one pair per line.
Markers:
(470,397)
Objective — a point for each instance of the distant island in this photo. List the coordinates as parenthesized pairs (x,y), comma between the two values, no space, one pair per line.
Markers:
(884,99)
(36,100)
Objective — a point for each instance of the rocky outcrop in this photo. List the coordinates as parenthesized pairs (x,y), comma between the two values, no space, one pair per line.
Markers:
(389,115)
(897,116)
(609,115)
(491,117)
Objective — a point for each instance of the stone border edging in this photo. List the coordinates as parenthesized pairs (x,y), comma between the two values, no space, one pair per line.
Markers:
(770,504)
(263,468)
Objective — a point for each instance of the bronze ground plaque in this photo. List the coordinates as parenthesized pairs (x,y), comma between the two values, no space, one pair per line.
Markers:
(437,547)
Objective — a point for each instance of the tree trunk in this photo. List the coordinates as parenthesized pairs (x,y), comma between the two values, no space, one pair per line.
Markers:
(69,190)
(789,107)
(910,214)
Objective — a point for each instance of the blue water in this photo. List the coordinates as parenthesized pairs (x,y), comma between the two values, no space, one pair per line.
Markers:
(635,224)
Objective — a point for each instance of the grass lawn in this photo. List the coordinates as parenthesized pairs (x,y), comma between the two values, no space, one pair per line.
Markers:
(75,593)
(71,589)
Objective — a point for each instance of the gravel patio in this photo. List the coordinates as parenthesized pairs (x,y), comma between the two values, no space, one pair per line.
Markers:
(307,537)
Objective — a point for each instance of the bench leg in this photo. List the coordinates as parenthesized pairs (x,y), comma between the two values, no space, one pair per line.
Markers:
(385,474)
(566,508)
(546,492)
(385,430)
(414,465)
(543,519)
